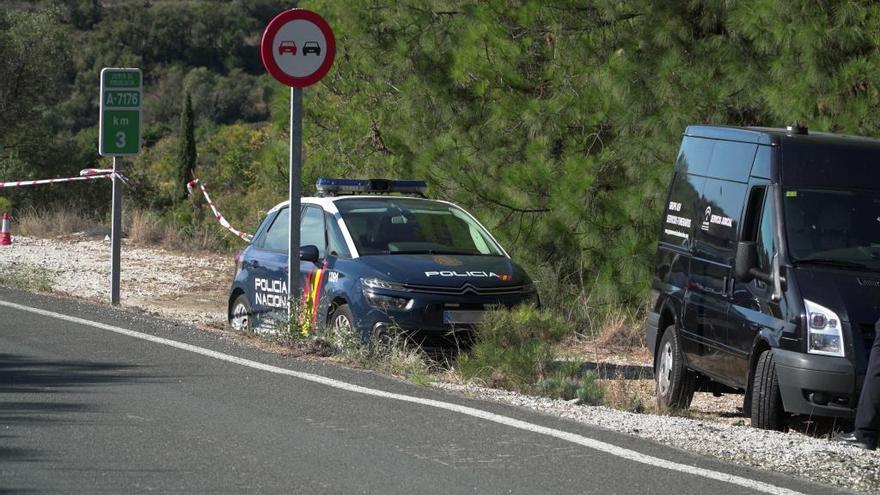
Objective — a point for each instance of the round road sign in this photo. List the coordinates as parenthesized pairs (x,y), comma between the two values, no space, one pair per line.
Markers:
(298,47)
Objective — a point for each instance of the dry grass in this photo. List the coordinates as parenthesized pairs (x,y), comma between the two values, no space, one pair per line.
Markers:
(140,228)
(621,328)
(145,229)
(54,222)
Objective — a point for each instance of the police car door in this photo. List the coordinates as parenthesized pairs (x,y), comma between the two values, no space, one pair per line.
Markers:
(312,233)
(269,266)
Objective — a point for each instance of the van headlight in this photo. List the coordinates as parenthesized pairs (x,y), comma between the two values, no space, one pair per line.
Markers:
(824,335)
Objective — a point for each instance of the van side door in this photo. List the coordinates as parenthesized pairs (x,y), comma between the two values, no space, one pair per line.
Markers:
(710,288)
(753,307)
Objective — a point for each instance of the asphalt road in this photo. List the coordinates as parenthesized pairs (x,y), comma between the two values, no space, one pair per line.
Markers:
(88,410)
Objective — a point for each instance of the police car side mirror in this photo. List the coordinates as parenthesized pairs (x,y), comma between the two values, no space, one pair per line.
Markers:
(309,253)
(746,263)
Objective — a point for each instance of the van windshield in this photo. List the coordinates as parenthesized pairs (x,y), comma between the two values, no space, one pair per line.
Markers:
(833,227)
(393,225)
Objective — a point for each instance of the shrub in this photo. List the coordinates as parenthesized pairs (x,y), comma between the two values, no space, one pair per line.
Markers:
(516,350)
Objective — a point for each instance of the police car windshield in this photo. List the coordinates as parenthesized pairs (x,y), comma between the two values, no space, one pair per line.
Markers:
(833,227)
(392,225)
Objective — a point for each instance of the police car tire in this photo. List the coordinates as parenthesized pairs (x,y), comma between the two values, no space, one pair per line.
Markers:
(682,381)
(241,300)
(342,310)
(767,410)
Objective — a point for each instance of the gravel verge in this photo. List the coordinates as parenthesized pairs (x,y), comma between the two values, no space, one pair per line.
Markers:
(188,287)
(792,453)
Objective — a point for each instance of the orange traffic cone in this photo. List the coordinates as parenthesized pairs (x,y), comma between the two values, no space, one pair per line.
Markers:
(5,236)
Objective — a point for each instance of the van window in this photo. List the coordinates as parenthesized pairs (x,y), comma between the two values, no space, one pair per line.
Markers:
(718,219)
(833,226)
(766,245)
(681,210)
(731,160)
(694,155)
(761,167)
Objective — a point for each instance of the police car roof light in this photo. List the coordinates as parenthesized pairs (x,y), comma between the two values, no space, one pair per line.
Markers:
(336,187)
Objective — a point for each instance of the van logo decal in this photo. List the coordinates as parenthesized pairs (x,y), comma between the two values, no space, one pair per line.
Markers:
(709,218)
(864,282)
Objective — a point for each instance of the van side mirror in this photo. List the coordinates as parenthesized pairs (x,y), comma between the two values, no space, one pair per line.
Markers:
(746,263)
(309,253)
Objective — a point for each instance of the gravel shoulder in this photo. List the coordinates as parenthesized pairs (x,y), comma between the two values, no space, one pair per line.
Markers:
(192,288)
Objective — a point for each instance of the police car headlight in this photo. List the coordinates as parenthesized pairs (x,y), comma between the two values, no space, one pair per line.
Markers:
(385,302)
(378,283)
(379,301)
(824,334)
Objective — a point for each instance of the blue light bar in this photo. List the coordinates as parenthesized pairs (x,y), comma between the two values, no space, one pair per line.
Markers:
(332,187)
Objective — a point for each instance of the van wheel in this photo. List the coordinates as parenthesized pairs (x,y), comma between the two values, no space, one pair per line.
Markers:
(241,314)
(767,411)
(675,382)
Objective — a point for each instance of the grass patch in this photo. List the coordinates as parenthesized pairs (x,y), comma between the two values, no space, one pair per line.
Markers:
(33,279)
(391,353)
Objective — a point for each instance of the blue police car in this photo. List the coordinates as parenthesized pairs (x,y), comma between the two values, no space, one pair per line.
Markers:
(376,254)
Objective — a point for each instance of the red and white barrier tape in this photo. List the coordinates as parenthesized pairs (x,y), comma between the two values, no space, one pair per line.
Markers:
(87,174)
(243,236)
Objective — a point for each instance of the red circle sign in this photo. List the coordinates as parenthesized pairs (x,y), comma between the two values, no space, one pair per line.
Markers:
(298,47)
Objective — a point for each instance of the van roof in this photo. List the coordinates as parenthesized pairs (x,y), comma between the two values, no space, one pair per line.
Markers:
(811,159)
(775,136)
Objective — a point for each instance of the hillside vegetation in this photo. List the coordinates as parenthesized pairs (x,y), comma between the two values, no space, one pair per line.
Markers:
(555,122)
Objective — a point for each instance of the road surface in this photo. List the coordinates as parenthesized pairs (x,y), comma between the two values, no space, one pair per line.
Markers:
(95,400)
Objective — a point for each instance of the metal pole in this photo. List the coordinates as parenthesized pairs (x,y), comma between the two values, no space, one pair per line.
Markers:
(295,177)
(115,234)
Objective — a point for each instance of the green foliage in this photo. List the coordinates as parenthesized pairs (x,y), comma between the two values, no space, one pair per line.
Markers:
(555,122)
(514,349)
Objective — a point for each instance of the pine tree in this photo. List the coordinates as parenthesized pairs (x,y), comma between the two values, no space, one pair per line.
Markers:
(187,152)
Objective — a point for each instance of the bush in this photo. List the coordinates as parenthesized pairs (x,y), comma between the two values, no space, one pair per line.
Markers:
(516,350)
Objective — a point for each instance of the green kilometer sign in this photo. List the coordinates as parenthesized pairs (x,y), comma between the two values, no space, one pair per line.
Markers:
(120,117)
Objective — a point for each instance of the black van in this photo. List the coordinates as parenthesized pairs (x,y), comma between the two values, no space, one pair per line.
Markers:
(767,278)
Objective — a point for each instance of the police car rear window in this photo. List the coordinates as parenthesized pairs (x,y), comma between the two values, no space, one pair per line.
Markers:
(412,226)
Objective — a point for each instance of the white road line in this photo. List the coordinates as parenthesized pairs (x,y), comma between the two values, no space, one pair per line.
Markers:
(607,448)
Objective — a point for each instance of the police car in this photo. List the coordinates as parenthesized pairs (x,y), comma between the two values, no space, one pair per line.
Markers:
(375,255)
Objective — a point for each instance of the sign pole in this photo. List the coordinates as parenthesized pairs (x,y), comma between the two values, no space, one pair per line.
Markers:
(119,134)
(115,234)
(297,49)
(296,97)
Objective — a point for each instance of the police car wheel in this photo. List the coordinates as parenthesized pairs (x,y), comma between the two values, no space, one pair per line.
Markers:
(675,382)
(342,319)
(241,314)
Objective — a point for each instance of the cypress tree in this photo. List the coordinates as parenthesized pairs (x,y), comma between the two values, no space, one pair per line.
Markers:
(187,151)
